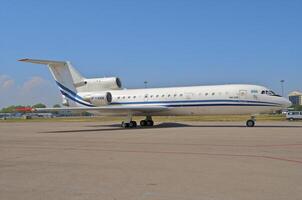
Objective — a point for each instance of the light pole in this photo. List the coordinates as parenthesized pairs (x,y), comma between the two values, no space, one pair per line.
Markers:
(282,87)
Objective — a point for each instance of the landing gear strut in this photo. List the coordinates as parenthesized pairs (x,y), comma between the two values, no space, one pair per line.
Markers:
(251,122)
(147,122)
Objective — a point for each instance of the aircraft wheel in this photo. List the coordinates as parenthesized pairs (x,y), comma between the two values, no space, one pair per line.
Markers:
(143,123)
(150,123)
(125,125)
(250,123)
(133,124)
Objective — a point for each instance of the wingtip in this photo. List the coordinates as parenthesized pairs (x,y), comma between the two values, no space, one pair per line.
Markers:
(23,59)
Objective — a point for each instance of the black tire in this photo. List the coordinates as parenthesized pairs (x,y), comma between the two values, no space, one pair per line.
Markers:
(125,125)
(150,123)
(250,123)
(291,119)
(133,124)
(143,123)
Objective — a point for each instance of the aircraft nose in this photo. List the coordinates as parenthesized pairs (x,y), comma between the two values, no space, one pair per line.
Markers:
(287,103)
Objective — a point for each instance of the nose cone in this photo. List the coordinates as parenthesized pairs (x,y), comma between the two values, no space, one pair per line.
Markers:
(286,103)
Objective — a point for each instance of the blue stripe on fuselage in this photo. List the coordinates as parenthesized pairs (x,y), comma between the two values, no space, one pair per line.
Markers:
(194,101)
(223,104)
(69,91)
(74,99)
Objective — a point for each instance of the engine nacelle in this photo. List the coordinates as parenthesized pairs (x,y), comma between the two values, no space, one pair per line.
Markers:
(99,84)
(99,99)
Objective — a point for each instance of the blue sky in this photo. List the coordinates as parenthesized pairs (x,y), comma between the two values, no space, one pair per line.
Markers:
(167,42)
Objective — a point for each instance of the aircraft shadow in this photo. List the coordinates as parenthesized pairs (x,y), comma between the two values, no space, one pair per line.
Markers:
(117,127)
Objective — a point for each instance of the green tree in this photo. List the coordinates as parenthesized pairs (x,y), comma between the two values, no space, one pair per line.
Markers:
(39,105)
(12,108)
(297,107)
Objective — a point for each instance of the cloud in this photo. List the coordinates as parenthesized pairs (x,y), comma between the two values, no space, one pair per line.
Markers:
(34,90)
(6,82)
(33,83)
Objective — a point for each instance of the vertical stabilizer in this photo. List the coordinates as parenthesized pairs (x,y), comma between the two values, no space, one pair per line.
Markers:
(66,77)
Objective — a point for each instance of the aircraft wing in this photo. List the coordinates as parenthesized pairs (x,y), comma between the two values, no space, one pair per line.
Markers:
(117,109)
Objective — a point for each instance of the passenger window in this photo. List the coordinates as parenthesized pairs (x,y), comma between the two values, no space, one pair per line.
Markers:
(213,93)
(206,94)
(181,95)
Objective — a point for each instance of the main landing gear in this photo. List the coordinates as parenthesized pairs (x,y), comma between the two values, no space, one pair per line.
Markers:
(251,122)
(147,122)
(129,123)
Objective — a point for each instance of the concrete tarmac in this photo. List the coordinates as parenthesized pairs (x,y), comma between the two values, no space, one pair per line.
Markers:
(179,161)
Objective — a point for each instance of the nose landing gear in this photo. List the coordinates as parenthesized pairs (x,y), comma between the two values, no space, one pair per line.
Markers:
(251,122)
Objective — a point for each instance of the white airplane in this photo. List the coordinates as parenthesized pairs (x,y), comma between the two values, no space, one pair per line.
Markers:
(105,96)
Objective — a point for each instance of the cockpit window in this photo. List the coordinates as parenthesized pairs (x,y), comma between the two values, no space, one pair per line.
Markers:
(270,93)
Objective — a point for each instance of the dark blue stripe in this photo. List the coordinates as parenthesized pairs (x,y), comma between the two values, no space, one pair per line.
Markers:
(70,97)
(194,101)
(70,91)
(194,105)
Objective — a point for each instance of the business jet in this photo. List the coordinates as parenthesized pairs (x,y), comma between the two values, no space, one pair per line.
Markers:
(105,96)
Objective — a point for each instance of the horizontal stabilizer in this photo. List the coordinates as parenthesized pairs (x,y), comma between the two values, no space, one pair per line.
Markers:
(44,62)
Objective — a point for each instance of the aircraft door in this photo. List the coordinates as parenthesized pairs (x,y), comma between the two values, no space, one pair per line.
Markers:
(243,94)
(188,95)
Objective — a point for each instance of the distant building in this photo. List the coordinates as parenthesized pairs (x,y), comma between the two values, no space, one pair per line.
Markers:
(295,97)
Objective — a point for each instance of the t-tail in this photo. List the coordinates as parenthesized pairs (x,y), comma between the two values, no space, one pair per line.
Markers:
(67,78)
